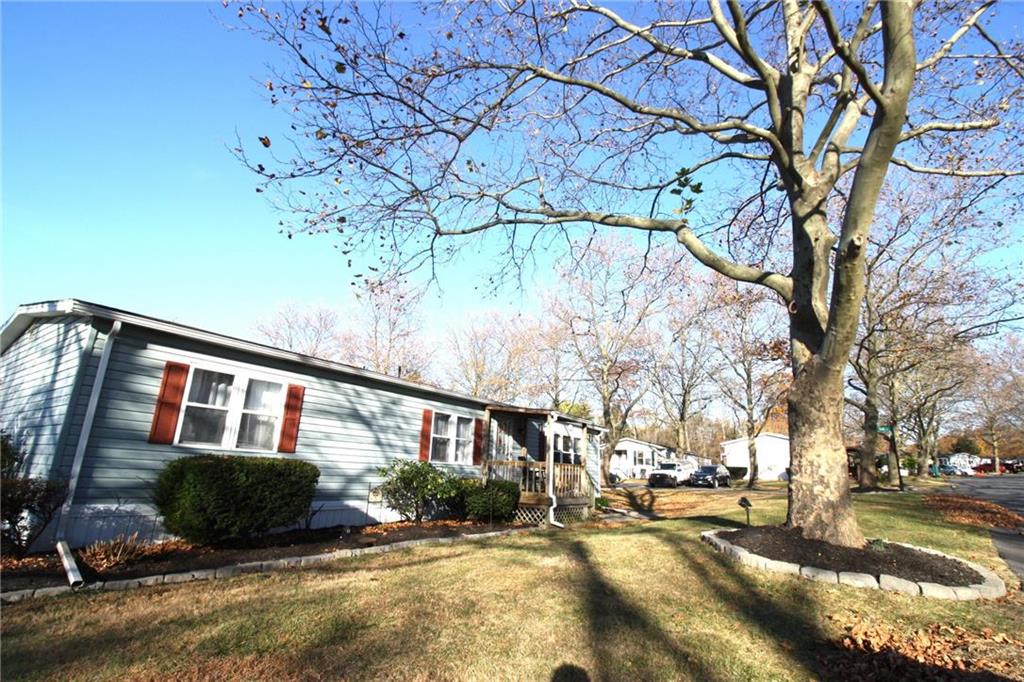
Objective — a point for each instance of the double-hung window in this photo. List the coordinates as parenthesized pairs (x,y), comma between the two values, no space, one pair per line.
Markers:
(452,439)
(231,410)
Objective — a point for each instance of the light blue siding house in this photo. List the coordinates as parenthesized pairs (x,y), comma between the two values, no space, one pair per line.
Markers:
(104,398)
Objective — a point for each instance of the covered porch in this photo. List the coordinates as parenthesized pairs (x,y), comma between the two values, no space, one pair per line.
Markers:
(553,457)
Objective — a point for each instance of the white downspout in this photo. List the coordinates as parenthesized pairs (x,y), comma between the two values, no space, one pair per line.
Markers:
(63,549)
(550,457)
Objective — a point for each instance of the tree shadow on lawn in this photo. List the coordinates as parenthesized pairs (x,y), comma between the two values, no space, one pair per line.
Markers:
(640,502)
(716,521)
(791,621)
(613,621)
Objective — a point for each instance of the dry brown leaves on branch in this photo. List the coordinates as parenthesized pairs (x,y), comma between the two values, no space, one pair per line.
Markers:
(972,512)
(871,651)
(124,550)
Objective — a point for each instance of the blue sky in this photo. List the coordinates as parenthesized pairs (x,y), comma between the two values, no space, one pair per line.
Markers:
(118,183)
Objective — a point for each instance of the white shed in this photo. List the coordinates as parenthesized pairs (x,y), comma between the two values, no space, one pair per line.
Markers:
(772,456)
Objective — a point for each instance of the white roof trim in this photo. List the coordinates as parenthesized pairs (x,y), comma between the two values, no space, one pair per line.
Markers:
(25,315)
(760,435)
(654,446)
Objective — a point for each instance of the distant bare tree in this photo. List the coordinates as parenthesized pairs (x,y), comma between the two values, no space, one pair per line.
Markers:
(931,289)
(997,394)
(387,337)
(608,301)
(751,374)
(316,331)
(684,365)
(491,357)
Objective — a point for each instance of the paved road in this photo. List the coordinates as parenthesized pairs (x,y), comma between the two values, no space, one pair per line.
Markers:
(1007,490)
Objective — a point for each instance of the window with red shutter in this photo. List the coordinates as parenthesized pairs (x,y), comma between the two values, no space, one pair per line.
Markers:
(168,403)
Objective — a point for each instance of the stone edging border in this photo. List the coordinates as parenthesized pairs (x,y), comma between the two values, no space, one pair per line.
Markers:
(250,567)
(993,586)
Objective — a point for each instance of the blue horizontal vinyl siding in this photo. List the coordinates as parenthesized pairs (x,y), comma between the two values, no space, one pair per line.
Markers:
(39,373)
(350,427)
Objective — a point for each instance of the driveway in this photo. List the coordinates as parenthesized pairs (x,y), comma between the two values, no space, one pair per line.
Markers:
(1006,490)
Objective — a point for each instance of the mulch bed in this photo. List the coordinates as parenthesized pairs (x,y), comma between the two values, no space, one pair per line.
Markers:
(45,570)
(878,651)
(972,512)
(786,544)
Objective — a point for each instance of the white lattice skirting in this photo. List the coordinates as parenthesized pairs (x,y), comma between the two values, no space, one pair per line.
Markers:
(539,515)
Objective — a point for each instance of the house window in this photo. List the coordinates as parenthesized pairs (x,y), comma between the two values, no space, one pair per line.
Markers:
(231,411)
(452,439)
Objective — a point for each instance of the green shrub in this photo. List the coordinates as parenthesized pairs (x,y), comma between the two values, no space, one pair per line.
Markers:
(495,501)
(456,496)
(209,499)
(417,489)
(27,505)
(601,502)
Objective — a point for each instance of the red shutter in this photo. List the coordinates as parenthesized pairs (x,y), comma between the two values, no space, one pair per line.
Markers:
(168,403)
(425,431)
(292,413)
(478,442)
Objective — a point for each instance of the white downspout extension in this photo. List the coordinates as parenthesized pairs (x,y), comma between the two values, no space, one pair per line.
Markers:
(63,549)
(550,456)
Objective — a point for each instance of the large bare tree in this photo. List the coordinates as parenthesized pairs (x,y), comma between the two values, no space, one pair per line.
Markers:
(420,133)
(311,330)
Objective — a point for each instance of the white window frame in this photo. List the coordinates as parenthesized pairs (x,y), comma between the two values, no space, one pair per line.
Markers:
(235,407)
(453,430)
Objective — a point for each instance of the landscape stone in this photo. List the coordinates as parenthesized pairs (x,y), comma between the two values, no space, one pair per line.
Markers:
(966,594)
(857,579)
(229,571)
(177,578)
(819,574)
(122,584)
(936,591)
(151,580)
(893,584)
(782,566)
(52,591)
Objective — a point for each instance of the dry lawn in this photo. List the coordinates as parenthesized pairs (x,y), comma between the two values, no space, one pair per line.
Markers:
(642,601)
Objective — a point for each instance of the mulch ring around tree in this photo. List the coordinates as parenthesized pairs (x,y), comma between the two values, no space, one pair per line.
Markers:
(972,512)
(173,556)
(786,544)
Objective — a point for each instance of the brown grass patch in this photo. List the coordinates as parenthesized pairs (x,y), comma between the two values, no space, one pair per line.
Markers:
(680,503)
(972,512)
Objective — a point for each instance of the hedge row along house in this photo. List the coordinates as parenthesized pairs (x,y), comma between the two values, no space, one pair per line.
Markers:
(104,398)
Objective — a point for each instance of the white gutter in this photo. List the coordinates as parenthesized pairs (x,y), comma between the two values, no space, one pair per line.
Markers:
(550,456)
(68,559)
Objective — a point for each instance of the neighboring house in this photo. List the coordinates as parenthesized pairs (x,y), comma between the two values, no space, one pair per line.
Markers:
(634,458)
(104,398)
(772,456)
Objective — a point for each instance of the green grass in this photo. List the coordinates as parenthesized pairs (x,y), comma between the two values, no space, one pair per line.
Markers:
(641,601)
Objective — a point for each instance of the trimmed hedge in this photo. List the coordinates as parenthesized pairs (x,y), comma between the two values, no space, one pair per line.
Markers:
(210,499)
(495,501)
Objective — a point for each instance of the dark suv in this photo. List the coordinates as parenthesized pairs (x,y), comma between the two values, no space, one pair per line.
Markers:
(712,476)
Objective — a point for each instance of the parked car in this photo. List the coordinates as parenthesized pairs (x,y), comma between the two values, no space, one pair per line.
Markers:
(949,470)
(1014,466)
(711,476)
(671,474)
(988,468)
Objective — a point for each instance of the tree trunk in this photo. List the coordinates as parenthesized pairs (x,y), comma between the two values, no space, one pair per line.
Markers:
(752,453)
(819,492)
(995,453)
(867,473)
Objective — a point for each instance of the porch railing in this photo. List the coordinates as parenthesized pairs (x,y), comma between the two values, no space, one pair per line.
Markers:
(571,480)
